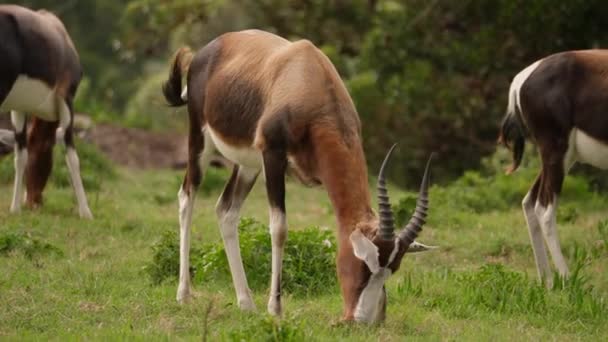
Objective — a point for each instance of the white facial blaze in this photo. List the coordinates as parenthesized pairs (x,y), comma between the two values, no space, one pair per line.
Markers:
(372,299)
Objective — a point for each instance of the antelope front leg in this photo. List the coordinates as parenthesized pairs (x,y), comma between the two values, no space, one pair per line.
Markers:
(18,120)
(275,164)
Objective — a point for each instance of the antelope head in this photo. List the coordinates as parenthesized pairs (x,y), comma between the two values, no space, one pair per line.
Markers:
(381,249)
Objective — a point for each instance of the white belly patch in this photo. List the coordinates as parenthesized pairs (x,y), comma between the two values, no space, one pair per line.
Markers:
(246,156)
(590,150)
(31,96)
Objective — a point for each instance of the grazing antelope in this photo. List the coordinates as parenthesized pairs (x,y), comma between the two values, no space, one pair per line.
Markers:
(561,102)
(271,105)
(39,73)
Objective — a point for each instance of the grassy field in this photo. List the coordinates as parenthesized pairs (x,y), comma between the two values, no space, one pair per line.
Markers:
(65,278)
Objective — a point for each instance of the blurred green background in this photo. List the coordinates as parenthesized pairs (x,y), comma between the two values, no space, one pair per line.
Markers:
(431,75)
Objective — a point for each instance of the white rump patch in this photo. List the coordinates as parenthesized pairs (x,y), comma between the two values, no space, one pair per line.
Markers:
(516,85)
(587,150)
(30,95)
(248,156)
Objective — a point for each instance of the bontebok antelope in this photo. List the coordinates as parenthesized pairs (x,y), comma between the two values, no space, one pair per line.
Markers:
(562,102)
(39,73)
(274,106)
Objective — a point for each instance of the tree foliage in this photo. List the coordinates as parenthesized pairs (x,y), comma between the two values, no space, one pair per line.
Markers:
(429,74)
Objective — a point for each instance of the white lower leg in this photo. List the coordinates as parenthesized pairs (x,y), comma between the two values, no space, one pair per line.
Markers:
(186,204)
(229,226)
(73,163)
(549,228)
(229,229)
(278,233)
(18,121)
(20,164)
(538,246)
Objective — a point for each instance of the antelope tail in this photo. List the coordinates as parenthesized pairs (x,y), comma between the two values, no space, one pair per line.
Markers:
(172,88)
(512,131)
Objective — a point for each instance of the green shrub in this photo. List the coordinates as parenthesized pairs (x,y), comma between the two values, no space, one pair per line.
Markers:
(489,189)
(308,263)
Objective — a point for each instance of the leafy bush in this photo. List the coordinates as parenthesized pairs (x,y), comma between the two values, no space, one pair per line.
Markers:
(308,263)
(94,167)
(24,243)
(490,189)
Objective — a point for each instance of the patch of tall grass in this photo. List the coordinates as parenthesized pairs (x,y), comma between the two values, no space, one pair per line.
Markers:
(308,264)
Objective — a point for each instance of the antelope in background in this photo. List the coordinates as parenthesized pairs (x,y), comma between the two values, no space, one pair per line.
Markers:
(273,106)
(561,102)
(39,73)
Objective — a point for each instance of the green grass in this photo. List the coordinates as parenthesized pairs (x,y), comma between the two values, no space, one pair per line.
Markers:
(65,278)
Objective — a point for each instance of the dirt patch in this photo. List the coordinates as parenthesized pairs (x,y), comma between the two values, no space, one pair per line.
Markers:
(130,147)
(138,148)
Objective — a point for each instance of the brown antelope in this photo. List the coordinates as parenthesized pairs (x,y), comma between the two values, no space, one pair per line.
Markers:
(275,106)
(39,73)
(561,102)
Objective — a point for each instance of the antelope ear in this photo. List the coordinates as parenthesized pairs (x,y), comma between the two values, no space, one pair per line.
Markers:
(365,250)
(416,247)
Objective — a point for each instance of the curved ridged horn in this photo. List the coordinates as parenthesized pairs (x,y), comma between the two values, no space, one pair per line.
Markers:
(386,229)
(411,230)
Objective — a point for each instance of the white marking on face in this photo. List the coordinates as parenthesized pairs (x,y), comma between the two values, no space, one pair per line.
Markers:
(246,156)
(518,82)
(587,149)
(29,95)
(371,301)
